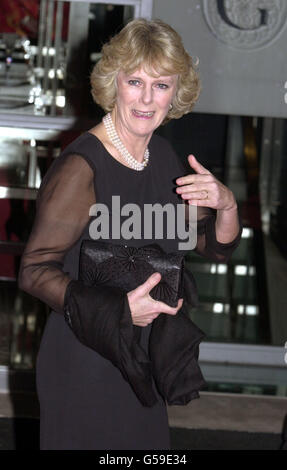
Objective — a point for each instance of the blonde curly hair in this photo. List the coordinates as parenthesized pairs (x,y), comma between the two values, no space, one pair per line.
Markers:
(155,46)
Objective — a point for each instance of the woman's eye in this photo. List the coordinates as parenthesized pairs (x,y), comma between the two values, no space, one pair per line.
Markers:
(163,86)
(134,82)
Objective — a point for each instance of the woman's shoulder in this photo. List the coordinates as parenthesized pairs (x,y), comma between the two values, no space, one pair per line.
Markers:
(84,142)
(87,146)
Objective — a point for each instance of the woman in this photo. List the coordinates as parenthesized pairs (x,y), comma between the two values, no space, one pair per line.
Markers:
(89,364)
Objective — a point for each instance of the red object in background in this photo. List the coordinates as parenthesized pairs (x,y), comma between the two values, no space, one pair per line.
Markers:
(21,17)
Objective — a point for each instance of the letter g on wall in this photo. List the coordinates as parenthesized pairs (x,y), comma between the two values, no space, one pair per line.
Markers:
(245,24)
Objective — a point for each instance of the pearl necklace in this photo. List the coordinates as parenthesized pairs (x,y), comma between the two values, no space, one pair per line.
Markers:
(116,141)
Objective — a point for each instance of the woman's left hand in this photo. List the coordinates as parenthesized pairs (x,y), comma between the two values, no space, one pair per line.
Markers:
(203,189)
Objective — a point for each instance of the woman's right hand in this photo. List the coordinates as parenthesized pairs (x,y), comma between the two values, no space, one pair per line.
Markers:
(144,309)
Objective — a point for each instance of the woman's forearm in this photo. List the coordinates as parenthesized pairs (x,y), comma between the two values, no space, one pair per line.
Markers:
(227,224)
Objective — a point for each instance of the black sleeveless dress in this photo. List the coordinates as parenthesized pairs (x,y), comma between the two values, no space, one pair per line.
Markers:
(85,403)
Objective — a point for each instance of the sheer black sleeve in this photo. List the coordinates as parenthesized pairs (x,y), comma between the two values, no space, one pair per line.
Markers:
(207,244)
(62,211)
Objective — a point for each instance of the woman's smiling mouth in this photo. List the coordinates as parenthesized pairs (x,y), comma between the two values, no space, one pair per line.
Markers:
(143,114)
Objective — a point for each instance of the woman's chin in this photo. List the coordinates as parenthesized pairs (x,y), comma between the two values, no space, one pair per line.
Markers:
(145,127)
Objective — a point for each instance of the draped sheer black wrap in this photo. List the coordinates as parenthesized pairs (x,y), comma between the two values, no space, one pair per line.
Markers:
(100,318)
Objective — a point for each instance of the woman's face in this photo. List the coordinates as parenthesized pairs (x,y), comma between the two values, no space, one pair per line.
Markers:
(142,102)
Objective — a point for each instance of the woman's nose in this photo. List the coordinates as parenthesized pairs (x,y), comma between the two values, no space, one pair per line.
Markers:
(147,95)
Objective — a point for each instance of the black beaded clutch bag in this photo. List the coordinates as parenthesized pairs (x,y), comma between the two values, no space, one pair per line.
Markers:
(126,267)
